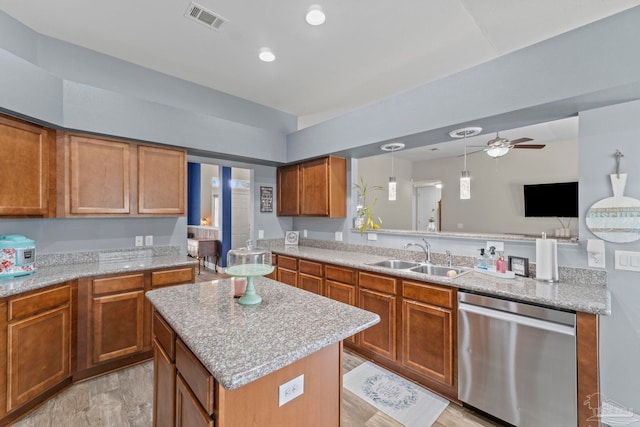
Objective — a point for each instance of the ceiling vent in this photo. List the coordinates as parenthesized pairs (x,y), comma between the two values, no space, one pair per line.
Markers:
(204,16)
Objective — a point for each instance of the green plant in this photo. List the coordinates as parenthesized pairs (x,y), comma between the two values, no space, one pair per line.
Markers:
(365,211)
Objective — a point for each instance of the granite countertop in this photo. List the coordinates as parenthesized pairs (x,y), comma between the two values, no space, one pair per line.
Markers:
(583,296)
(239,344)
(53,274)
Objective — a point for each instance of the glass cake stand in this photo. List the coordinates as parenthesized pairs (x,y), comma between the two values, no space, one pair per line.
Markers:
(249,262)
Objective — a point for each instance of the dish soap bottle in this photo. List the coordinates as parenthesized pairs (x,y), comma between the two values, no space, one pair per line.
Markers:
(491,259)
(481,262)
(501,264)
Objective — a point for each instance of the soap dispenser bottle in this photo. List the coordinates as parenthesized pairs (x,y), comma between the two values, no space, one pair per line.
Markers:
(501,264)
(481,262)
(491,258)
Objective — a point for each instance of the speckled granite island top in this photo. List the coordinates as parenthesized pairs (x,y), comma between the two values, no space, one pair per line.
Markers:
(239,344)
(579,295)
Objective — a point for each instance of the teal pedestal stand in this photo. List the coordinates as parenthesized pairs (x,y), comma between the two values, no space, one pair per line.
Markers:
(249,271)
(250,296)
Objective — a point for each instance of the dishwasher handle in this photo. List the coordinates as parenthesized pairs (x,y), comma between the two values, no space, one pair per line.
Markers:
(517,319)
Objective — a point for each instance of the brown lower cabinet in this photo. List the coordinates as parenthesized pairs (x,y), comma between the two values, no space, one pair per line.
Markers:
(288,270)
(340,285)
(114,318)
(76,330)
(428,328)
(310,276)
(37,328)
(377,293)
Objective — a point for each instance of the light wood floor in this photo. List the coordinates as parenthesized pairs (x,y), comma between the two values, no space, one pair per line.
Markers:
(125,398)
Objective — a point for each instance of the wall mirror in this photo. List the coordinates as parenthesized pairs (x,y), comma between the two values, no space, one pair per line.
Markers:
(428,182)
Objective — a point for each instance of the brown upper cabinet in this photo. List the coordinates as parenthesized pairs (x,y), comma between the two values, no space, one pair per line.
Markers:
(26,169)
(108,177)
(161,180)
(313,188)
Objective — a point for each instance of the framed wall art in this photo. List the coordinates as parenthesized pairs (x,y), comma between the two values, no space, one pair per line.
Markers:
(266,199)
(520,266)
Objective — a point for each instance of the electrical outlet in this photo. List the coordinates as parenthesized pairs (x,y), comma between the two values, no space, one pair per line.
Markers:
(148,240)
(260,234)
(290,390)
(372,236)
(304,233)
(139,241)
(339,236)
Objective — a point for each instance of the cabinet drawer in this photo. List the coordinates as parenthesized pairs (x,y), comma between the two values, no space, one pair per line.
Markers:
(108,285)
(287,262)
(310,267)
(340,274)
(29,305)
(172,277)
(426,292)
(164,335)
(377,283)
(199,380)
(287,276)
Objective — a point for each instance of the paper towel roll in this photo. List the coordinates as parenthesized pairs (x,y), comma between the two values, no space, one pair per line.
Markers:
(547,260)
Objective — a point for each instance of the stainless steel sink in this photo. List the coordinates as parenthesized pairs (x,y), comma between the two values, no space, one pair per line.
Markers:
(396,264)
(438,270)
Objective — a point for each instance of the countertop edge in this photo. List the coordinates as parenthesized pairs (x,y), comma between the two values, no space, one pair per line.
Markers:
(490,286)
(52,275)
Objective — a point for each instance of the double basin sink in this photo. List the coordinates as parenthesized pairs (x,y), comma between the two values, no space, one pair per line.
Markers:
(418,267)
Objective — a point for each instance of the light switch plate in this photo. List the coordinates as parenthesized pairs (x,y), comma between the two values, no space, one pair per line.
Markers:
(627,260)
(148,240)
(139,241)
(338,236)
(290,390)
(372,236)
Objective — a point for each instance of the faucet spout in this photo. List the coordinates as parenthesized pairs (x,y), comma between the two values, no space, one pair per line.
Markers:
(426,248)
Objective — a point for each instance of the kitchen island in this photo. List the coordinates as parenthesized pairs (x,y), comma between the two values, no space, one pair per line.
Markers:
(276,363)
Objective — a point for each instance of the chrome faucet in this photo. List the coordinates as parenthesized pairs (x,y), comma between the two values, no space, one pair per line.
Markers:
(426,248)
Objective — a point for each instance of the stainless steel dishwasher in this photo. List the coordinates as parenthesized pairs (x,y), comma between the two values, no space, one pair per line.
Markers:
(517,361)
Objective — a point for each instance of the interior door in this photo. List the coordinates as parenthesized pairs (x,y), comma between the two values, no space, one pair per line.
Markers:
(427,202)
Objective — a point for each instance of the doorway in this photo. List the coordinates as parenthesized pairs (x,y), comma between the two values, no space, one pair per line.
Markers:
(428,198)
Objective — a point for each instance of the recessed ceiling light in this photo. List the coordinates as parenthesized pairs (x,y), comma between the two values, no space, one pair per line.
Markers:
(315,15)
(266,55)
(393,146)
(465,132)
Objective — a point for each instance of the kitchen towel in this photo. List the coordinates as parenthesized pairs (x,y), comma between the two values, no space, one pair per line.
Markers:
(547,260)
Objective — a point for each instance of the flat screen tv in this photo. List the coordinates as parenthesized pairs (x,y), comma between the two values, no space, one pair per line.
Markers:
(558,199)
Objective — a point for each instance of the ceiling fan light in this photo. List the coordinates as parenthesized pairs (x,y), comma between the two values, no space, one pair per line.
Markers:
(498,151)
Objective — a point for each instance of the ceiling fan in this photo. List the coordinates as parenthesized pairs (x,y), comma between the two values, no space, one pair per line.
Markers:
(498,146)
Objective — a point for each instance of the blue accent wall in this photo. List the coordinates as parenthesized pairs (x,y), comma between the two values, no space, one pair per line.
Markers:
(193,194)
(225,184)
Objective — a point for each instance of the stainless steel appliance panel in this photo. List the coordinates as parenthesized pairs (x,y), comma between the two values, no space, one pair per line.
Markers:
(517,361)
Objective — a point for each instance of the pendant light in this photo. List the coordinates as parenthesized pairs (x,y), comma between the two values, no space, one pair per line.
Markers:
(465,178)
(394,146)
